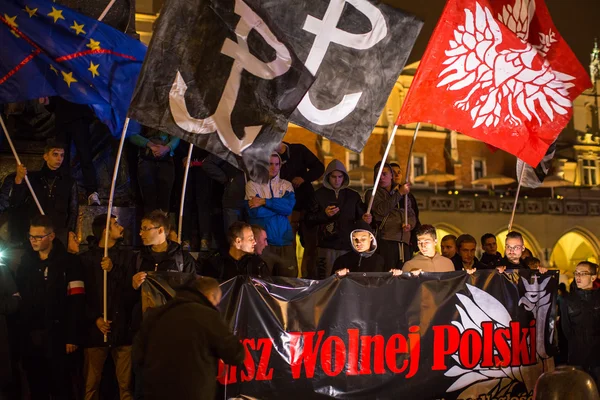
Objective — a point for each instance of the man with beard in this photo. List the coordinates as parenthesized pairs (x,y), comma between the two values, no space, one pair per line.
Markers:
(120,296)
(50,281)
(513,249)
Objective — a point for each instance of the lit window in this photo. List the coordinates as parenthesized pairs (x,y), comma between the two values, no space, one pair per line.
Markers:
(419,165)
(590,173)
(478,171)
(353,160)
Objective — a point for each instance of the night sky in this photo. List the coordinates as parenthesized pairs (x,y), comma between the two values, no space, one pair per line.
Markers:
(578,21)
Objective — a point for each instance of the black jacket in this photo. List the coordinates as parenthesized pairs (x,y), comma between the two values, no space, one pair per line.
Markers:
(492,260)
(298,160)
(224,267)
(9,304)
(120,296)
(334,232)
(179,346)
(580,321)
(367,261)
(510,265)
(232,179)
(458,265)
(57,194)
(175,259)
(55,304)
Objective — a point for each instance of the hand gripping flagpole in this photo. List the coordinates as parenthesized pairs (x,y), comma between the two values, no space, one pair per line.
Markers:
(185,178)
(385,155)
(108,215)
(12,147)
(512,217)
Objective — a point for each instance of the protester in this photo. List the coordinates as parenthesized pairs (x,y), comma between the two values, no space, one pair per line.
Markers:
(467,245)
(275,264)
(399,179)
(240,260)
(301,167)
(180,343)
(9,305)
(363,257)
(449,250)
(119,297)
(197,201)
(50,281)
(234,182)
(428,260)
(393,235)
(580,320)
(56,192)
(513,249)
(491,256)
(270,205)
(156,170)
(336,210)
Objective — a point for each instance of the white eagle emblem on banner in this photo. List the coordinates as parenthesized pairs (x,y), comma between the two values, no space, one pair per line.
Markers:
(508,85)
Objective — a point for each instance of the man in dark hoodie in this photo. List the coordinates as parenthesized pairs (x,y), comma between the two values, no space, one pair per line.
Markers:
(56,192)
(394,235)
(336,210)
(180,343)
(240,260)
(50,281)
(363,258)
(120,297)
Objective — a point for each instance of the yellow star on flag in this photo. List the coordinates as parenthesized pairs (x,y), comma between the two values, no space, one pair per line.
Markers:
(53,69)
(12,22)
(77,28)
(94,69)
(68,78)
(56,14)
(93,44)
(30,11)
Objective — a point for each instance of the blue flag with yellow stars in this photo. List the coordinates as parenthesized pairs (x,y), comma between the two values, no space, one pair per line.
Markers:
(50,50)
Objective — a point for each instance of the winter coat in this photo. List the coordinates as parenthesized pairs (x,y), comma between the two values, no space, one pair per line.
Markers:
(298,160)
(273,216)
(58,196)
(367,261)
(392,204)
(9,304)
(224,267)
(55,303)
(232,179)
(334,232)
(120,296)
(179,345)
(580,321)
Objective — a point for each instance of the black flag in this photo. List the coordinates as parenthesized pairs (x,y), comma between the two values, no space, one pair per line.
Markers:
(356,50)
(534,177)
(220,74)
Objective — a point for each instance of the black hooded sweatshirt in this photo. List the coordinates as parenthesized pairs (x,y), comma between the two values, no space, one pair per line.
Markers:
(367,261)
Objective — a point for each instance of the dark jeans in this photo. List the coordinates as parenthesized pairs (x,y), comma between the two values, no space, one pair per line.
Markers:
(156,178)
(230,215)
(390,251)
(76,129)
(198,200)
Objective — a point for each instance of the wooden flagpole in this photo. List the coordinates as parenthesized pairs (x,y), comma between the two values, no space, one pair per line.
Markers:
(185,178)
(14,151)
(512,217)
(108,212)
(412,145)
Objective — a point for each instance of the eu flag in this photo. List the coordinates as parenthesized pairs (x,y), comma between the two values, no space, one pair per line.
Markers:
(50,50)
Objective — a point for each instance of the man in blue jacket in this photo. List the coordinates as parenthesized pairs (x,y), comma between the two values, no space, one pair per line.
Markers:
(270,205)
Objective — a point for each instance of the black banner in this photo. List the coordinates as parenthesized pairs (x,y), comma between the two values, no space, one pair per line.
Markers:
(221,75)
(373,336)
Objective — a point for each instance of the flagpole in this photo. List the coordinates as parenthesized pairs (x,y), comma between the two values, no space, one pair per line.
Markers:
(512,217)
(408,171)
(106,10)
(108,214)
(14,151)
(185,178)
(385,154)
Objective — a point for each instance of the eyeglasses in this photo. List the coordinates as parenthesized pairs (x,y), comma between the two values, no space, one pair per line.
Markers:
(582,274)
(514,248)
(142,229)
(38,238)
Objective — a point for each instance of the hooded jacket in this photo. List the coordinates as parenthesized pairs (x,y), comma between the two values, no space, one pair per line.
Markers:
(391,204)
(273,216)
(367,261)
(179,345)
(334,231)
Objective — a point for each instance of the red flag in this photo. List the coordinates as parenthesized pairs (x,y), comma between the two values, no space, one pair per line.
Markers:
(499,71)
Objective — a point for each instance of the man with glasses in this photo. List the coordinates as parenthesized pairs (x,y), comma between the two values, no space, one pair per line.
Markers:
(50,281)
(513,248)
(580,320)
(428,259)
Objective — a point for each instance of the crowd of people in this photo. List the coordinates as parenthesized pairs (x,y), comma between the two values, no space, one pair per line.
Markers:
(57,339)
